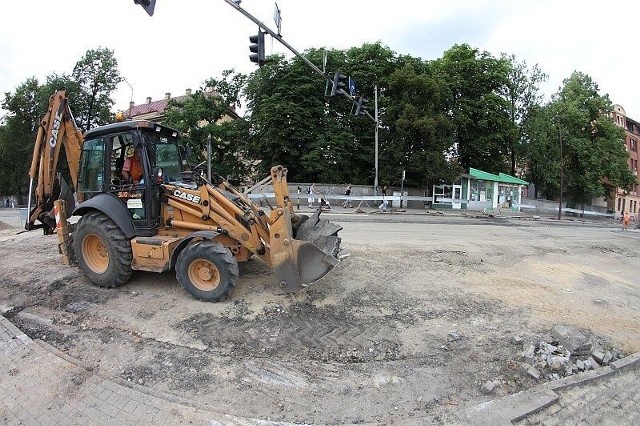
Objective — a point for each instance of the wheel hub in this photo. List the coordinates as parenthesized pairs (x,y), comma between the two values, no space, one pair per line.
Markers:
(95,253)
(204,275)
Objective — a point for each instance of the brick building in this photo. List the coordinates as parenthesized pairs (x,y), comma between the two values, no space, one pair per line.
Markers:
(628,201)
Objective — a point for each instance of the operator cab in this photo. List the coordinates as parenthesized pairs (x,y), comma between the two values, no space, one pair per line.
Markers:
(130,160)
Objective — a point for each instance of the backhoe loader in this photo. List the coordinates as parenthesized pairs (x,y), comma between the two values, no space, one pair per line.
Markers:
(168,217)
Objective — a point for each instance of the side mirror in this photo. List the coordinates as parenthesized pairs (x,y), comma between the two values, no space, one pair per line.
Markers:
(185,153)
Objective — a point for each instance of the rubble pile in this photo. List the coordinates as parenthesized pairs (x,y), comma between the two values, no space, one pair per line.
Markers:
(566,351)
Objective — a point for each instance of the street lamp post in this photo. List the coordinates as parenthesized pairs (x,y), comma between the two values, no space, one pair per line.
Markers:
(561,176)
(375,179)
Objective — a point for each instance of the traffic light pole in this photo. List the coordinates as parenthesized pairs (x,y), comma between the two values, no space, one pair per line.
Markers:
(236,6)
(275,35)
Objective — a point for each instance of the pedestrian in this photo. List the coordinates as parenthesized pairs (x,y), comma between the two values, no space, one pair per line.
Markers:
(383,205)
(347,192)
(626,218)
(311,191)
(324,203)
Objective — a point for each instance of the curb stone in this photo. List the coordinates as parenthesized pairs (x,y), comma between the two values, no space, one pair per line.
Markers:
(515,407)
(505,410)
(628,361)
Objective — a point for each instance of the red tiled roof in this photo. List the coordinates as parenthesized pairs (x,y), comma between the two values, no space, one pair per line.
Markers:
(155,106)
(159,108)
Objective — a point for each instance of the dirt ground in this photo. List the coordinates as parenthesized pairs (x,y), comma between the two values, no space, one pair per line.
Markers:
(408,328)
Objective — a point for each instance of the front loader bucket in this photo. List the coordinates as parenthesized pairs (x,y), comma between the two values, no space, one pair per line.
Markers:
(309,256)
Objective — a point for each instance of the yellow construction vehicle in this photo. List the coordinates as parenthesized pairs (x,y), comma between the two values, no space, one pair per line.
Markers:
(141,210)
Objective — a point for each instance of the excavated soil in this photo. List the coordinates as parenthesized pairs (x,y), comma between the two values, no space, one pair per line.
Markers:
(407,329)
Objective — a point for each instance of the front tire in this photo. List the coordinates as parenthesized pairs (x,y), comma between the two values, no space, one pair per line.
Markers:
(102,250)
(207,270)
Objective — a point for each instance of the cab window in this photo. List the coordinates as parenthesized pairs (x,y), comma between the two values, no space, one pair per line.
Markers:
(118,148)
(92,165)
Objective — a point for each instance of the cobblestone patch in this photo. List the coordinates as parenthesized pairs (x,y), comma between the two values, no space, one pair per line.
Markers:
(38,387)
(613,399)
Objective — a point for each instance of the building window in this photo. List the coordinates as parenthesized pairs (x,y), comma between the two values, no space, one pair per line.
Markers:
(634,145)
(619,204)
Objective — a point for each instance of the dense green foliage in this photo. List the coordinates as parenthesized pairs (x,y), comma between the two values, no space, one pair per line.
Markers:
(91,86)
(436,118)
(199,117)
(593,161)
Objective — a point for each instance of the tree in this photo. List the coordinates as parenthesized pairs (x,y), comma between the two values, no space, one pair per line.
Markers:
(97,77)
(17,135)
(543,152)
(482,127)
(293,123)
(422,132)
(90,86)
(202,115)
(523,95)
(594,160)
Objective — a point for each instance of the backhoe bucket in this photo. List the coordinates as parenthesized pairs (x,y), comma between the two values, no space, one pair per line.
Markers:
(307,257)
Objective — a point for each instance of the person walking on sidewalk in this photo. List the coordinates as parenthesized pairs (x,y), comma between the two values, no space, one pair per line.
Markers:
(626,218)
(347,192)
(383,205)
(311,191)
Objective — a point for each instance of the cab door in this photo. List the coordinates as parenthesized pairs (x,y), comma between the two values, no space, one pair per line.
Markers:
(137,197)
(92,171)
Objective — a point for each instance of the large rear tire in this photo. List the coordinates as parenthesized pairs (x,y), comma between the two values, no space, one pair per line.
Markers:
(102,250)
(207,270)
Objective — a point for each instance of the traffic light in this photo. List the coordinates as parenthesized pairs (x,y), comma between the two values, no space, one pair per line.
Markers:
(339,82)
(361,107)
(257,47)
(148,5)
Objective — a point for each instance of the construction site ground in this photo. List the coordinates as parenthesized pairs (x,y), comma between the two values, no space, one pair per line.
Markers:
(427,309)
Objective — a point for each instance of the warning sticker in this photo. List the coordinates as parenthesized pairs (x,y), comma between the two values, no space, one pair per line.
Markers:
(134,203)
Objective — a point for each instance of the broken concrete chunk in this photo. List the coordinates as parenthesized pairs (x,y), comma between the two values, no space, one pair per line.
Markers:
(488,387)
(607,358)
(558,363)
(533,372)
(598,355)
(580,364)
(530,354)
(571,338)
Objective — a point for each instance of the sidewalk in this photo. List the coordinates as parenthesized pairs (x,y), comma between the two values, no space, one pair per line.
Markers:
(40,385)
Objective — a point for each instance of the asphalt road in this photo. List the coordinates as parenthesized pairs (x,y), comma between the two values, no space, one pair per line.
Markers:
(12,217)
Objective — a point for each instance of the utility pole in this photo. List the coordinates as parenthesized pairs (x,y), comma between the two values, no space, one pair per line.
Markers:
(561,176)
(209,157)
(375,180)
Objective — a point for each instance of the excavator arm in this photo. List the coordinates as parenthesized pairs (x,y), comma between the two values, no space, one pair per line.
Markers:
(56,128)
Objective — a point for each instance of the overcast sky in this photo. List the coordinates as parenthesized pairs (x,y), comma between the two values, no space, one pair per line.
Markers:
(188,41)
